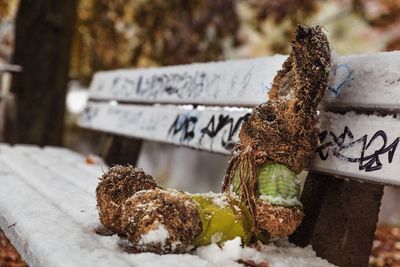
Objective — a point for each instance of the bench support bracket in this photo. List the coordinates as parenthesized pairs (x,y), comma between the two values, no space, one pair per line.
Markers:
(340,218)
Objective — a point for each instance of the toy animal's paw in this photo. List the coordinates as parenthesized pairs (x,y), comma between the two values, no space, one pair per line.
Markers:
(278,221)
(160,221)
(115,186)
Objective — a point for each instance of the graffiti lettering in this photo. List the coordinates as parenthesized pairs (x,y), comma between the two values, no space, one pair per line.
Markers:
(221,128)
(212,129)
(180,85)
(184,124)
(370,154)
(88,114)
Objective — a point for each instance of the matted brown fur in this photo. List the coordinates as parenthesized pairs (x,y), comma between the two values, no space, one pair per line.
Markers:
(147,210)
(284,128)
(278,221)
(115,186)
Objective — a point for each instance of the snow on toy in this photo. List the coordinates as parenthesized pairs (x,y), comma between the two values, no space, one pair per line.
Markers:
(260,196)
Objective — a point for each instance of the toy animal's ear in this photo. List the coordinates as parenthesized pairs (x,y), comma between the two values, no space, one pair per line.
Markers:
(304,77)
(282,83)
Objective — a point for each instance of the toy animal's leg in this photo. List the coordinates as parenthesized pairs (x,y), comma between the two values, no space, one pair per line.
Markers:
(115,186)
(340,219)
(163,221)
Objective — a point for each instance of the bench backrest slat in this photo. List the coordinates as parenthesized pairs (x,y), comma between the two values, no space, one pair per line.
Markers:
(370,81)
(354,145)
(148,104)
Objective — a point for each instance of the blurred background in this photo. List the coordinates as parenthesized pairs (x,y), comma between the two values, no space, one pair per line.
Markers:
(72,40)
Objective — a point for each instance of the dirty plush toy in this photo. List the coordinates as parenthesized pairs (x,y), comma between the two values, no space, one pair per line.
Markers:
(279,138)
(163,221)
(260,196)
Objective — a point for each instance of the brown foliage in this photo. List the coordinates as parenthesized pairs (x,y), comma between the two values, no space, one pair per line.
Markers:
(9,256)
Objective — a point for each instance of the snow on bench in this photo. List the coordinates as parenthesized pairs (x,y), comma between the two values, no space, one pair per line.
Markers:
(361,81)
(360,146)
(48,211)
(202,106)
(355,145)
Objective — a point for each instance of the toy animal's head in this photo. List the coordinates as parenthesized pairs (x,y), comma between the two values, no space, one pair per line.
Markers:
(284,128)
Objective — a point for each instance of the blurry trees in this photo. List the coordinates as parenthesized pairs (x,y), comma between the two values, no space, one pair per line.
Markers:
(44,30)
(141,33)
(277,20)
(384,17)
(7,8)
(124,33)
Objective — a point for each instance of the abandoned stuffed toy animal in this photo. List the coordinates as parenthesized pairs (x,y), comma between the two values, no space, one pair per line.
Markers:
(279,138)
(260,197)
(164,221)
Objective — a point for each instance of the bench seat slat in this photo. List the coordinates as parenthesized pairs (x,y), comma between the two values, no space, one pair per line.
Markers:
(370,81)
(52,185)
(66,155)
(72,172)
(52,222)
(355,145)
(32,223)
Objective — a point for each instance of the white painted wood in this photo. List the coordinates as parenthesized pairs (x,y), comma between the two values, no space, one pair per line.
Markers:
(208,128)
(35,214)
(79,161)
(361,146)
(216,129)
(360,81)
(370,81)
(81,177)
(236,82)
(52,222)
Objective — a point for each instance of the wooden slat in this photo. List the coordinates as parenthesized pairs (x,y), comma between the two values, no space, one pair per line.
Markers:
(241,82)
(46,220)
(360,146)
(362,81)
(52,222)
(363,146)
(212,129)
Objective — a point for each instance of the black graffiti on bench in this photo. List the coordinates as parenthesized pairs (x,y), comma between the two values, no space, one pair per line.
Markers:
(185,125)
(368,161)
(88,114)
(180,85)
(212,129)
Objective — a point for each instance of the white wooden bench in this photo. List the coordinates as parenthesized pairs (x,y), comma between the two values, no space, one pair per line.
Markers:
(201,106)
